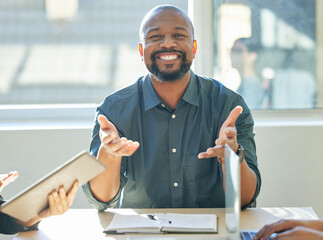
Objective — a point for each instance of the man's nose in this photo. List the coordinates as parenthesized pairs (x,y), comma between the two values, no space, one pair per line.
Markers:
(168,42)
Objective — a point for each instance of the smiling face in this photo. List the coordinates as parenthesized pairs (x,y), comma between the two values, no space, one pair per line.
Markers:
(167,46)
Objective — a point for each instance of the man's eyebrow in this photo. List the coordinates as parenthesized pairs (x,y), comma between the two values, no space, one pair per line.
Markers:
(182,28)
(157,29)
(152,30)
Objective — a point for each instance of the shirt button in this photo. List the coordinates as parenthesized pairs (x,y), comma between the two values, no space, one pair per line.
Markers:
(163,105)
(174,150)
(173,116)
(175,184)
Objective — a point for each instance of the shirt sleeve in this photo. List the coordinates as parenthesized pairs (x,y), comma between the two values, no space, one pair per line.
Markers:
(101,206)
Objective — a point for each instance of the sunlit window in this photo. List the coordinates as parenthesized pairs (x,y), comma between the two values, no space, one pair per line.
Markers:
(268,51)
(69,51)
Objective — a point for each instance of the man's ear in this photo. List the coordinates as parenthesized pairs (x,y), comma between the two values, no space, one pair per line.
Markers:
(141,50)
(194,47)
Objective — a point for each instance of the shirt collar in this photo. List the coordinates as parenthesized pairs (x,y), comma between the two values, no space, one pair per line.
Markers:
(191,93)
(152,99)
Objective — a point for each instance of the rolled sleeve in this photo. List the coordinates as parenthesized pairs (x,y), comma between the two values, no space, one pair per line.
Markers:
(96,203)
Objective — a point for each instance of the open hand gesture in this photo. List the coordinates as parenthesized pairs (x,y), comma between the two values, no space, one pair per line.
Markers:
(227,135)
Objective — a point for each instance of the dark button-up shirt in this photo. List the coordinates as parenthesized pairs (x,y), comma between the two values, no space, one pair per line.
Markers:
(165,171)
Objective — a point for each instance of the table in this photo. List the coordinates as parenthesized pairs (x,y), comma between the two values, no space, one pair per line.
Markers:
(89,224)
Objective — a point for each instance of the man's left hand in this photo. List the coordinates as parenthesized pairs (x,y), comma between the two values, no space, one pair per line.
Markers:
(227,135)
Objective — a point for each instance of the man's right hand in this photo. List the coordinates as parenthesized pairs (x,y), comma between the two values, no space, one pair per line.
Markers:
(111,143)
(106,185)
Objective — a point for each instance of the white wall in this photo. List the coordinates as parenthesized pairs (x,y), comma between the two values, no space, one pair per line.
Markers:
(289,155)
(289,149)
(291,163)
(35,153)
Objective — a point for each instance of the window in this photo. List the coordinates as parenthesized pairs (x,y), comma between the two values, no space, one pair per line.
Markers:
(269,51)
(69,51)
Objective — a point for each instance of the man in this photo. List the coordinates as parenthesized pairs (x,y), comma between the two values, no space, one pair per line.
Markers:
(59,202)
(177,117)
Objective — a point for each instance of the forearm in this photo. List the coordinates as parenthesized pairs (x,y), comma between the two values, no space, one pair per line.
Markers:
(248,183)
(314,224)
(106,185)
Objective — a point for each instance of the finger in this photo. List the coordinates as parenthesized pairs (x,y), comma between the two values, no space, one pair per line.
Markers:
(212,152)
(48,211)
(72,193)
(107,136)
(57,203)
(131,147)
(13,175)
(230,132)
(288,234)
(63,200)
(6,179)
(116,145)
(52,203)
(220,160)
(128,148)
(10,177)
(268,230)
(233,116)
(103,121)
(105,124)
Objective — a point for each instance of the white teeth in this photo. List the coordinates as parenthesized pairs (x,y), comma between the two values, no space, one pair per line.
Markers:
(168,57)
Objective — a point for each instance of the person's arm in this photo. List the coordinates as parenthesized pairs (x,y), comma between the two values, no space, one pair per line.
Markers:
(106,185)
(59,202)
(228,135)
(292,229)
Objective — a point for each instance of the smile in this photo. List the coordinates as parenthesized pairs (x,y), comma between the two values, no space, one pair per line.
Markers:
(168,57)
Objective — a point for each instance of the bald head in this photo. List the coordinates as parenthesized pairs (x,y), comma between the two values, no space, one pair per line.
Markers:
(158,11)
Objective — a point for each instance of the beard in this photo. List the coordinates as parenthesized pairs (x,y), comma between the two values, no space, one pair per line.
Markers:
(172,76)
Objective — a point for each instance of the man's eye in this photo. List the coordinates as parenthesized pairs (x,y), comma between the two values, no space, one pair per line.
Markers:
(178,35)
(154,37)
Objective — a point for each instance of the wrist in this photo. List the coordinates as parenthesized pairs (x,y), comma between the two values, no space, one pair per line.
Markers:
(31,222)
(107,157)
(241,153)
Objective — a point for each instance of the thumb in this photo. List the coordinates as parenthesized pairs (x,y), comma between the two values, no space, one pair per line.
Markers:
(105,124)
(233,116)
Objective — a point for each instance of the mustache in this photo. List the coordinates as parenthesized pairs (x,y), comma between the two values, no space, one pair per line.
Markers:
(153,55)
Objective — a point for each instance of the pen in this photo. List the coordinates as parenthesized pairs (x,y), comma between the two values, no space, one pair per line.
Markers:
(154,217)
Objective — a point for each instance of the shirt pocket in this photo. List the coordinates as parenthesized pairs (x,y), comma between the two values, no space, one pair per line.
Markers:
(200,169)
(203,181)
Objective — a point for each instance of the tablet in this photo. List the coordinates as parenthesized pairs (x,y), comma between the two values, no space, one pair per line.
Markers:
(33,199)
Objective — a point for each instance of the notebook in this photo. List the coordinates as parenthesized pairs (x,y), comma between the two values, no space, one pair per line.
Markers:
(33,199)
(159,222)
